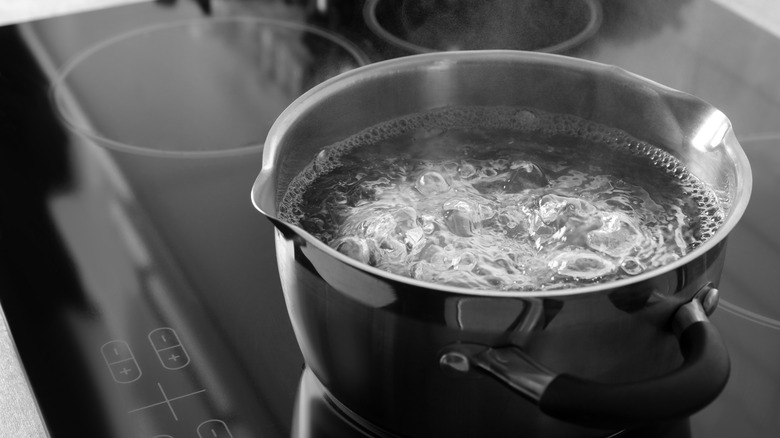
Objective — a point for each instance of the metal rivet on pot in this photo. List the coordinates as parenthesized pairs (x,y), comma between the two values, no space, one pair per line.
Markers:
(455,361)
(709,300)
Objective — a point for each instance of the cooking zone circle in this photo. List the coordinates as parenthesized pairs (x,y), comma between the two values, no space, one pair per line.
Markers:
(446,25)
(264,64)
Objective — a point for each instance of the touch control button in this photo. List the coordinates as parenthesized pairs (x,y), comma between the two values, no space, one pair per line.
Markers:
(163,337)
(116,351)
(120,361)
(125,371)
(173,358)
(169,350)
(214,429)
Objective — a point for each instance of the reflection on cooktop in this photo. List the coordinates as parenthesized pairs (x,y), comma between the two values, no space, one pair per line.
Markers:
(317,415)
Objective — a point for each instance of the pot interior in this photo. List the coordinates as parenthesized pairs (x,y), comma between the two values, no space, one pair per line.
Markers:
(693,131)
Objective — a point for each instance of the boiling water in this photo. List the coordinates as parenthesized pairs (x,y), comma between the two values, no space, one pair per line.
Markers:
(502,199)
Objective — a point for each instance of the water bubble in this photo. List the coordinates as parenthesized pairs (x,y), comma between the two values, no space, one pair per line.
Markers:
(405,219)
(392,252)
(513,220)
(370,225)
(551,207)
(450,167)
(388,227)
(324,161)
(414,239)
(431,183)
(525,118)
(580,264)
(441,259)
(430,251)
(461,216)
(485,211)
(353,247)
(423,270)
(467,170)
(618,236)
(488,172)
(559,210)
(495,281)
(465,262)
(427,223)
(525,175)
(499,164)
(359,195)
(632,266)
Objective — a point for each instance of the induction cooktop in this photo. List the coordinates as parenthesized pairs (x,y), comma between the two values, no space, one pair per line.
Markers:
(133,314)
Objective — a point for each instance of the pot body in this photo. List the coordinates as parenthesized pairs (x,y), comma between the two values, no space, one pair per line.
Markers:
(376,340)
(376,345)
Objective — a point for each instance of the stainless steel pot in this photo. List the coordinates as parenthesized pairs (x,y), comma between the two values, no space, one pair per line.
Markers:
(409,358)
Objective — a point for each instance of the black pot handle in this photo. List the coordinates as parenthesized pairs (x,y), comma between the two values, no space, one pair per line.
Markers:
(679,393)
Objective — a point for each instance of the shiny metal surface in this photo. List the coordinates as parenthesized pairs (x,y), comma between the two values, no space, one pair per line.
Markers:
(522,373)
(703,304)
(687,315)
(709,300)
(383,360)
(19,415)
(374,339)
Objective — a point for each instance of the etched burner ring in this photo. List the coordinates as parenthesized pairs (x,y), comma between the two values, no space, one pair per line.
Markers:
(444,25)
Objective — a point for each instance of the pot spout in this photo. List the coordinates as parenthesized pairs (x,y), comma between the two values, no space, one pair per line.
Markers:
(263,194)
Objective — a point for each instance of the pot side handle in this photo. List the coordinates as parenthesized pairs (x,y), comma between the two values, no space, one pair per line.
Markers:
(679,393)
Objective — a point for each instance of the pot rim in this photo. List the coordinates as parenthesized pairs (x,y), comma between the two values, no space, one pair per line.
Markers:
(332,86)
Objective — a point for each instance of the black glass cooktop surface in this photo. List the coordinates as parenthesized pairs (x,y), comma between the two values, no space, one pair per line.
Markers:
(141,309)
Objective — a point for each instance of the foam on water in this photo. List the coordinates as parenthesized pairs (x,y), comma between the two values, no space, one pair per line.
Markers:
(502,198)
